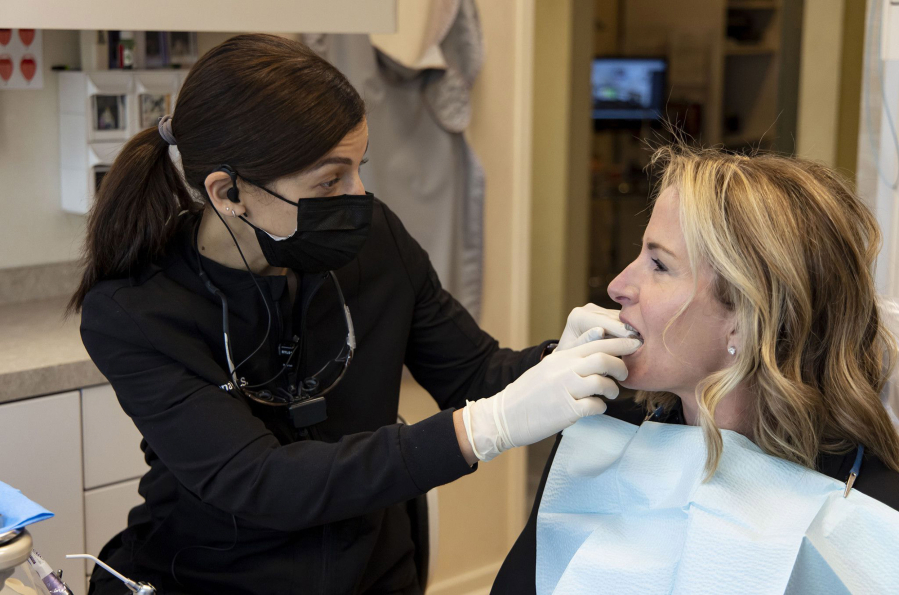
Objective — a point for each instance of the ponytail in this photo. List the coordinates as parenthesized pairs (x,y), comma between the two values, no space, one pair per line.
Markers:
(135,213)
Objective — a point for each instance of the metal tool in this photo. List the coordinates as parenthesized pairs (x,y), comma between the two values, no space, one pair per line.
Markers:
(134,587)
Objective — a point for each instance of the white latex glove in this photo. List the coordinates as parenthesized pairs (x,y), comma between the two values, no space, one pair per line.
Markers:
(547,398)
(589,323)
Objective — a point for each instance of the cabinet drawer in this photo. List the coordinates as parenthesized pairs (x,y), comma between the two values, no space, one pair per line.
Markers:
(106,513)
(112,451)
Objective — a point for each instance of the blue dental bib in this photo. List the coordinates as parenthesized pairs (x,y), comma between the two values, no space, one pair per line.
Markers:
(625,510)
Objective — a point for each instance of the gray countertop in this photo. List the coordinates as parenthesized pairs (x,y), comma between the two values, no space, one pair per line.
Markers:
(41,352)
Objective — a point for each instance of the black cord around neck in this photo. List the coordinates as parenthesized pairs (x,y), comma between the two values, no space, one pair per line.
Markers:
(218,293)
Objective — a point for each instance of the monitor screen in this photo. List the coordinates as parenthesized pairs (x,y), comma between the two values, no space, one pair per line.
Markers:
(628,88)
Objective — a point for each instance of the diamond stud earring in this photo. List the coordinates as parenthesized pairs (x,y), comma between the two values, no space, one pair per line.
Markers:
(732,350)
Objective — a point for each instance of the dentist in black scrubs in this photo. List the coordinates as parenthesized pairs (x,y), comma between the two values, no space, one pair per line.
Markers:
(254,314)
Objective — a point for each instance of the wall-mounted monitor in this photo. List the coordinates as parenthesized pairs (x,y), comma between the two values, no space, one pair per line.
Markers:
(628,89)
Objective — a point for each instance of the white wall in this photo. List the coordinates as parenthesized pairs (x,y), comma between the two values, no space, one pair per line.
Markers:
(33,227)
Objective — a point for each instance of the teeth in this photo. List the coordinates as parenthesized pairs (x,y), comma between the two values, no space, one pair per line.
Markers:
(635,331)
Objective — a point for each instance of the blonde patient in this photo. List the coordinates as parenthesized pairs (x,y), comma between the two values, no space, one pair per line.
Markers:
(776,334)
(754,296)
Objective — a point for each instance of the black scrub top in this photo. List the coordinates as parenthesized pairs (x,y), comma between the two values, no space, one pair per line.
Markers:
(517,576)
(236,500)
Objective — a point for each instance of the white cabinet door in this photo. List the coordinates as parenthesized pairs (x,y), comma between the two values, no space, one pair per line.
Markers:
(106,514)
(112,451)
(40,454)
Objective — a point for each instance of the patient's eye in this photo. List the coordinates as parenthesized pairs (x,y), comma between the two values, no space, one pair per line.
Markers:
(658,265)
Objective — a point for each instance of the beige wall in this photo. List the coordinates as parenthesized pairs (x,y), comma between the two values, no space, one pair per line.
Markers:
(563,48)
(851,67)
(33,227)
(819,83)
(326,16)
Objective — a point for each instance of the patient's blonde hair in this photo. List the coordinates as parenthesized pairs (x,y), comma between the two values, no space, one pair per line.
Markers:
(792,248)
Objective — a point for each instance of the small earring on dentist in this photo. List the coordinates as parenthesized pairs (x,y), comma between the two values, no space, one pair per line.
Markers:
(732,350)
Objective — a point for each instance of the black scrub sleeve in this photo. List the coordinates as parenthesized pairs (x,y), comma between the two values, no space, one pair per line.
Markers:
(448,353)
(224,455)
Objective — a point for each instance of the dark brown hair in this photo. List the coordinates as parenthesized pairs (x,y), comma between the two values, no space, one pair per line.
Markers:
(265,105)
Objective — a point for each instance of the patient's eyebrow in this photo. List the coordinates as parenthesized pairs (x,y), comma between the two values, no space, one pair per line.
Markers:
(657,246)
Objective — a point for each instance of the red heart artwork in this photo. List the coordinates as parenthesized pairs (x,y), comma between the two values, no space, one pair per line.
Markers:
(5,67)
(27,36)
(28,66)
(5,36)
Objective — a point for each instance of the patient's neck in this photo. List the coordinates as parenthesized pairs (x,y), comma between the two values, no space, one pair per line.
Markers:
(733,413)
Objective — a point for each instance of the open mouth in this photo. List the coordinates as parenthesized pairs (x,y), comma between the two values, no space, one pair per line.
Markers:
(637,334)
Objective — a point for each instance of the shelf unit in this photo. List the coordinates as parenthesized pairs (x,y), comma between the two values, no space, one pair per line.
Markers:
(750,65)
(98,112)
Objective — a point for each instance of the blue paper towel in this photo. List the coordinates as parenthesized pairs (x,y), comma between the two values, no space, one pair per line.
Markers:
(18,511)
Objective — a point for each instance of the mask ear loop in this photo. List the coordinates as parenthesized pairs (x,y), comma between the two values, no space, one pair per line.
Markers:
(272,192)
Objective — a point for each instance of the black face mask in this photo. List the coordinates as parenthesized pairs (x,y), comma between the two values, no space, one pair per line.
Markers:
(330,232)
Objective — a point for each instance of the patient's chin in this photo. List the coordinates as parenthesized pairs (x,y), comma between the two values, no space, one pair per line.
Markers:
(634,373)
(641,379)
(633,381)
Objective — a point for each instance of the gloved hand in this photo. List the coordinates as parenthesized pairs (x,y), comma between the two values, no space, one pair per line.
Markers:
(589,323)
(547,398)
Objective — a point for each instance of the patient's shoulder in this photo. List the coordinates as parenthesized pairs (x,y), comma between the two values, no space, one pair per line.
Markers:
(875,479)
(880,482)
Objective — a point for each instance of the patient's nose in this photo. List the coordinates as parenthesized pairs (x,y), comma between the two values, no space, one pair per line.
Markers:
(623,288)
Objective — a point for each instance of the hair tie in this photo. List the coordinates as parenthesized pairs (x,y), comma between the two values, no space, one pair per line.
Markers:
(165,130)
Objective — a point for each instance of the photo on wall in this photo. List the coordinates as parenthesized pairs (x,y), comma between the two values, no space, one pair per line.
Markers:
(109,112)
(153,107)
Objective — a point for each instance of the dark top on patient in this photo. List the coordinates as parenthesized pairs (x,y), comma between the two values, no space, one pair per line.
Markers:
(518,573)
